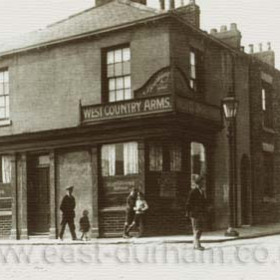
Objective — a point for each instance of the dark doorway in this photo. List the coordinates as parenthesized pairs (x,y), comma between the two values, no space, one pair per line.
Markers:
(38,207)
(245,191)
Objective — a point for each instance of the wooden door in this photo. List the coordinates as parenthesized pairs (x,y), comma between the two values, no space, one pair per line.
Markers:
(38,201)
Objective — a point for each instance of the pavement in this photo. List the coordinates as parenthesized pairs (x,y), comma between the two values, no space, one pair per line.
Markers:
(246,232)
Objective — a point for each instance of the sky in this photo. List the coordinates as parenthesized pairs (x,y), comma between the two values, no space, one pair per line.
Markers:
(258,20)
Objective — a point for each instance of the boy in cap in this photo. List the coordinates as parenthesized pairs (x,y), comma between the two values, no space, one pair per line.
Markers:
(67,207)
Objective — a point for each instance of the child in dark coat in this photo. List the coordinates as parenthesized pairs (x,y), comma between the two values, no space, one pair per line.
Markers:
(84,225)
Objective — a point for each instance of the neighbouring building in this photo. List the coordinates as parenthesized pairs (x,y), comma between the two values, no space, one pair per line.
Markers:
(124,95)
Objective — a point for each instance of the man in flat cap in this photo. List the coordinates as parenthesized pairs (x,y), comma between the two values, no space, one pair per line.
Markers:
(67,208)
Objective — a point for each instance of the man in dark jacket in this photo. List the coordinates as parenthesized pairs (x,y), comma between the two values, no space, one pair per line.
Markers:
(196,209)
(67,207)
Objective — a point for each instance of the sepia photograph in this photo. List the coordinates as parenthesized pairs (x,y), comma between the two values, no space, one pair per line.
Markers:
(139,139)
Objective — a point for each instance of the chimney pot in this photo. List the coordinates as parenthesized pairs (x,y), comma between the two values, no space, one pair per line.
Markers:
(268,46)
(213,31)
(242,48)
(223,28)
(192,2)
(233,26)
(260,47)
(251,46)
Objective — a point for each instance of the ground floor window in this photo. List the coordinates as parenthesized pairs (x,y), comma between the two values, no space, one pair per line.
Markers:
(198,159)
(5,180)
(165,156)
(119,159)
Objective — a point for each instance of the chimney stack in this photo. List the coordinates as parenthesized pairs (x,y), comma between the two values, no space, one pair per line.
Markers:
(190,13)
(251,48)
(232,37)
(267,56)
(103,2)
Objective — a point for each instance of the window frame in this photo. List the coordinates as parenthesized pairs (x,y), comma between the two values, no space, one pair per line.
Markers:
(267,104)
(196,70)
(117,167)
(5,94)
(125,77)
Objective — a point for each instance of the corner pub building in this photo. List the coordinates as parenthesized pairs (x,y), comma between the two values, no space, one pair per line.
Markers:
(125,95)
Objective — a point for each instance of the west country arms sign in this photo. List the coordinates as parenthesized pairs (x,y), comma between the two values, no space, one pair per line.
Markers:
(135,107)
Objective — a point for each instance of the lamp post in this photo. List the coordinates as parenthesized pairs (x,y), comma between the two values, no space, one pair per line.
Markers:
(230,105)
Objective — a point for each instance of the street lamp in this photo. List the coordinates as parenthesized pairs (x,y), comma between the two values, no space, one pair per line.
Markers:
(230,105)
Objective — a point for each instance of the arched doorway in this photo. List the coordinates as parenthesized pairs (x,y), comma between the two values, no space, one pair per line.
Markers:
(245,175)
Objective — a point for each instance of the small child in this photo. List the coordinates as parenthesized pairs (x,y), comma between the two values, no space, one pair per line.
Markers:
(84,225)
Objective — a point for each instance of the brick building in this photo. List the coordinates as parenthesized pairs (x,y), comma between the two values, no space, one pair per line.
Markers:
(123,95)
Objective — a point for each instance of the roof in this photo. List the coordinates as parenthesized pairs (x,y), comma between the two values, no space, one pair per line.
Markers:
(115,13)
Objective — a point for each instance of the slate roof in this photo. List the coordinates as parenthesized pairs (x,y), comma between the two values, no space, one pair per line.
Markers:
(114,13)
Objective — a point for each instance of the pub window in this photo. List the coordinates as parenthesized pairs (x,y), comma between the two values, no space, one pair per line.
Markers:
(156,157)
(268,174)
(6,169)
(119,159)
(267,105)
(118,74)
(175,152)
(198,159)
(4,95)
(196,70)
(165,156)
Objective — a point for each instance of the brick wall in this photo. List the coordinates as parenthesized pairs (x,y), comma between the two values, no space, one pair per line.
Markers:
(5,226)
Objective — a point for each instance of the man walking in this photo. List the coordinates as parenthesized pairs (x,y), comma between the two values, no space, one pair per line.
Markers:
(130,213)
(67,207)
(196,209)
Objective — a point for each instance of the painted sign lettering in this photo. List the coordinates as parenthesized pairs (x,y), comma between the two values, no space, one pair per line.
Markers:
(126,108)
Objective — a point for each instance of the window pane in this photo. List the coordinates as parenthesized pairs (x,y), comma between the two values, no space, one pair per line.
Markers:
(126,54)
(112,85)
(2,113)
(1,89)
(193,74)
(263,100)
(112,96)
(1,77)
(6,76)
(119,82)
(6,169)
(118,56)
(119,159)
(6,88)
(198,159)
(127,82)
(130,151)
(108,158)
(192,58)
(110,57)
(119,95)
(118,69)
(110,70)
(155,157)
(175,157)
(127,94)
(126,68)
(7,107)
(2,101)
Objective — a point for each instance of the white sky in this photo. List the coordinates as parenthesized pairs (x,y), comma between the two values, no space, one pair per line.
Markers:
(258,20)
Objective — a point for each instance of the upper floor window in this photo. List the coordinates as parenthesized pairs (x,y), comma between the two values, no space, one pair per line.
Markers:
(196,70)
(267,105)
(118,74)
(119,159)
(4,95)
